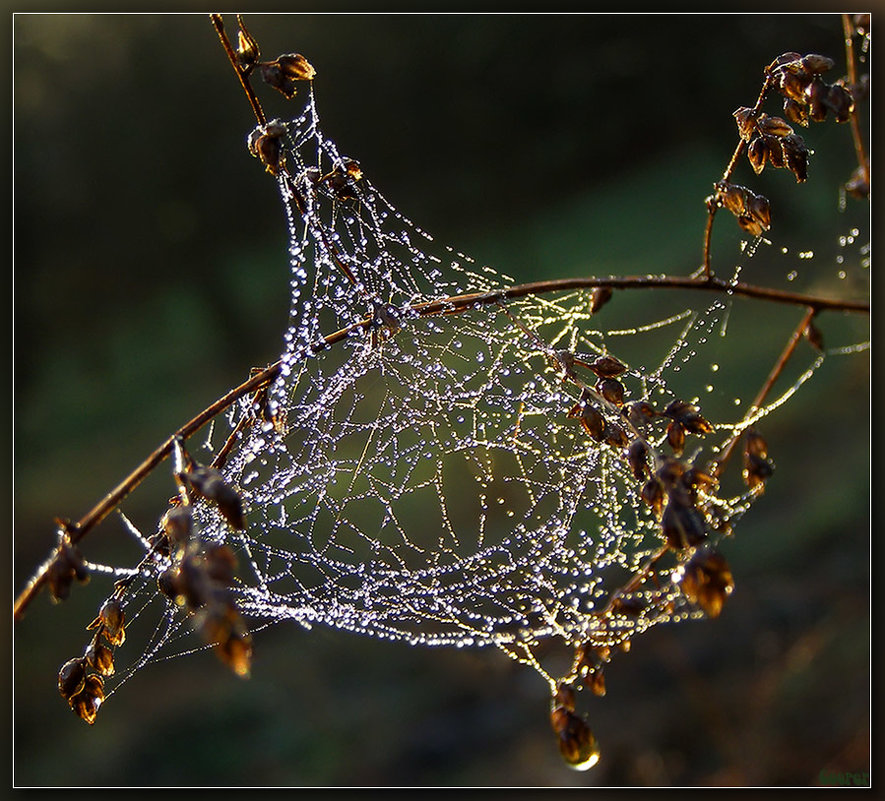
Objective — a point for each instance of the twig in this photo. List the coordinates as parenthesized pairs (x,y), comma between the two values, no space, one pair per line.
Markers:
(450,305)
(713,207)
(778,368)
(218,23)
(855,114)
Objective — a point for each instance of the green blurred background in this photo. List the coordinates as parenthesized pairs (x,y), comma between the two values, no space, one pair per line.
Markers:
(150,276)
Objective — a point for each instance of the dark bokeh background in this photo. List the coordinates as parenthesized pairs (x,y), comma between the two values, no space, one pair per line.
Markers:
(150,275)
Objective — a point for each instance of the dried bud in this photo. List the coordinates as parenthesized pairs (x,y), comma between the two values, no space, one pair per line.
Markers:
(858,186)
(599,296)
(641,412)
(615,436)
(100,657)
(595,680)
(682,525)
(746,122)
(85,704)
(759,212)
(796,156)
(265,143)
(688,416)
(284,72)
(607,367)
(591,418)
(212,486)
(676,437)
(222,626)
(706,580)
(71,677)
(564,697)
(773,126)
(576,742)
(817,94)
(756,153)
(178,523)
(637,455)
(653,494)
(775,151)
(612,390)
(247,48)
(817,64)
(220,564)
(840,102)
(796,112)
(757,466)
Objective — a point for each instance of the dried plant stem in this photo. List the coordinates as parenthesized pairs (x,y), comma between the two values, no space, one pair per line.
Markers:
(859,149)
(712,207)
(218,23)
(773,376)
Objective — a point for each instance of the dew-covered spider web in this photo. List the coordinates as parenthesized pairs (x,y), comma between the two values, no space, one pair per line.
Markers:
(442,464)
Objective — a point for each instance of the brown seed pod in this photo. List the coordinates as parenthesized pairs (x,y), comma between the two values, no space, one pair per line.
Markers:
(222,626)
(612,390)
(72,677)
(85,704)
(607,367)
(591,419)
(595,680)
(688,416)
(757,466)
(838,99)
(640,412)
(773,126)
(796,156)
(817,94)
(265,143)
(681,524)
(652,493)
(615,436)
(817,64)
(564,697)
(112,618)
(775,151)
(100,657)
(706,580)
(759,210)
(796,112)
(794,85)
(637,456)
(284,72)
(220,563)
(576,742)
(757,151)
(676,437)
(211,485)
(746,123)
(247,48)
(177,524)
(169,583)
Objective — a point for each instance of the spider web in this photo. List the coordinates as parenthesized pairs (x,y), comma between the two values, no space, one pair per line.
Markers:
(416,476)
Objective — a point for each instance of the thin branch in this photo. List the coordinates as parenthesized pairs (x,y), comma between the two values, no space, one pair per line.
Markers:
(859,149)
(773,376)
(450,305)
(218,23)
(726,176)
